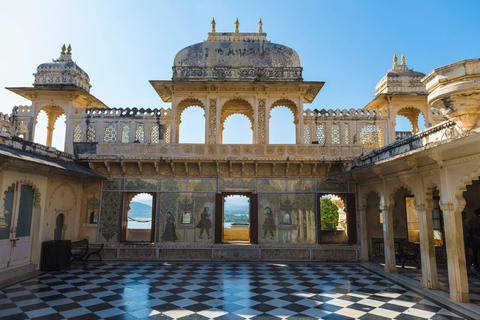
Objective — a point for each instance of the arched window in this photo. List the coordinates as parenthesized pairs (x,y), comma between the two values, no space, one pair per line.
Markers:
(346,137)
(140,134)
(282,125)
(306,134)
(91,134)
(93,217)
(192,125)
(335,133)
(126,134)
(237,129)
(110,134)
(58,232)
(371,136)
(77,133)
(155,134)
(320,135)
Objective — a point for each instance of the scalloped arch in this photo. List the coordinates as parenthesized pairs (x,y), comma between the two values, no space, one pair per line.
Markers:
(187,103)
(400,184)
(289,104)
(63,185)
(37,195)
(462,187)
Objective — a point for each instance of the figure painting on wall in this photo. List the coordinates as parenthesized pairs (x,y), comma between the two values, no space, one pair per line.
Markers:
(205,224)
(169,234)
(269,223)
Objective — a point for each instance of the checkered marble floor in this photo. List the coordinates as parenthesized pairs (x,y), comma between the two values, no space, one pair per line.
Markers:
(215,291)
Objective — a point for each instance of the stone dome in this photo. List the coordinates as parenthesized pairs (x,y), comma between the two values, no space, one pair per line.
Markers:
(61,72)
(237,56)
(401,80)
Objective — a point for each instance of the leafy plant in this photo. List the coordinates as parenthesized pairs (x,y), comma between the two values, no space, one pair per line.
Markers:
(329,214)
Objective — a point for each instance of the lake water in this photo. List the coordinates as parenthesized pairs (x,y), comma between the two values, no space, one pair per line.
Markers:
(141,225)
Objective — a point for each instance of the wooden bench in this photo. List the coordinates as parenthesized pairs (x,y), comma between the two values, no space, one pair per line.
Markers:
(409,252)
(80,251)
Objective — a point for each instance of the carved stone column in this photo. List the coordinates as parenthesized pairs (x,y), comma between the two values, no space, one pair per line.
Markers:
(261,122)
(427,248)
(364,241)
(212,122)
(388,239)
(457,268)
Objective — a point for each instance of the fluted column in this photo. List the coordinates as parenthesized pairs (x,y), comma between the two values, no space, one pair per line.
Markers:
(388,239)
(457,268)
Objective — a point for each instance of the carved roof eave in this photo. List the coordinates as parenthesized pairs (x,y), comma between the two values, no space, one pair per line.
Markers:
(380,102)
(78,94)
(166,88)
(213,160)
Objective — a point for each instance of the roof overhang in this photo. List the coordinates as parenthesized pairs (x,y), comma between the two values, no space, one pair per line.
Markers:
(308,89)
(74,93)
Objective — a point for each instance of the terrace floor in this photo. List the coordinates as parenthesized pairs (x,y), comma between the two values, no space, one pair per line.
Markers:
(180,290)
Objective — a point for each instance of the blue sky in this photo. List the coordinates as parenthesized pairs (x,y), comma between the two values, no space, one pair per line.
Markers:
(123,44)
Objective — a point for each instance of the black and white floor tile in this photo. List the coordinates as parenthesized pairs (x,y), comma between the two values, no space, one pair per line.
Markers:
(220,291)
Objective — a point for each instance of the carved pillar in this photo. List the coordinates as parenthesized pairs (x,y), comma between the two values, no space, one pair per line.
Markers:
(212,122)
(457,270)
(364,241)
(50,128)
(388,239)
(68,146)
(299,123)
(427,248)
(261,127)
(175,124)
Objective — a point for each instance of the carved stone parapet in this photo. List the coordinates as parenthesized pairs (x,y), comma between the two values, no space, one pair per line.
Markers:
(455,91)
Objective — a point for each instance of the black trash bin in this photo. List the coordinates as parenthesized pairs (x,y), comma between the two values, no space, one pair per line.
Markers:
(55,255)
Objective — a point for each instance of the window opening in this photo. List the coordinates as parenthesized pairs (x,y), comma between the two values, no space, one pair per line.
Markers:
(237,130)
(320,133)
(371,136)
(281,126)
(306,134)
(77,134)
(333,219)
(110,134)
(139,218)
(236,218)
(140,134)
(192,125)
(91,134)
(125,134)
(155,135)
(58,232)
(335,134)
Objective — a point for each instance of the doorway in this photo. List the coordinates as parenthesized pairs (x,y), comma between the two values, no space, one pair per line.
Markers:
(236,218)
(16,225)
(138,218)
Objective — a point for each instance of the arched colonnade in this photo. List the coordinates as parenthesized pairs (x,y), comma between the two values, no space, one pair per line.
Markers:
(385,219)
(257,111)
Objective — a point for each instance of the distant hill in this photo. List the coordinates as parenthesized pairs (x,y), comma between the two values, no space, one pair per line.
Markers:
(140,210)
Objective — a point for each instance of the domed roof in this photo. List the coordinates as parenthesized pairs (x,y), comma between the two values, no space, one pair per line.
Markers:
(401,80)
(63,71)
(237,56)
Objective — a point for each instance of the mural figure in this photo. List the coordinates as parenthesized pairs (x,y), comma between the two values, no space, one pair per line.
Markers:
(169,234)
(205,223)
(269,223)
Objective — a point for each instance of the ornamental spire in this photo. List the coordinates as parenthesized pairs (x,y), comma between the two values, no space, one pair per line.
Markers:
(213,25)
(260,24)
(236,26)
(63,49)
(69,50)
(403,59)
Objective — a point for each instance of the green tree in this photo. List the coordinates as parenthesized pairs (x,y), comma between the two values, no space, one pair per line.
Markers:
(328,213)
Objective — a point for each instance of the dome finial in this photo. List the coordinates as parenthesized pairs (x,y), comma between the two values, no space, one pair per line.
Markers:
(236,25)
(213,25)
(395,59)
(69,50)
(403,59)
(63,49)
(260,24)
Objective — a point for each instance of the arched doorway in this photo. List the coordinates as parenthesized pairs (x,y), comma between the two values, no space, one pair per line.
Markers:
(138,217)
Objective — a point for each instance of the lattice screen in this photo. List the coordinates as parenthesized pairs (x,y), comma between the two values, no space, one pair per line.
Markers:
(140,134)
(306,134)
(155,135)
(91,134)
(125,134)
(77,133)
(346,137)
(335,134)
(320,133)
(371,136)
(110,134)
(167,135)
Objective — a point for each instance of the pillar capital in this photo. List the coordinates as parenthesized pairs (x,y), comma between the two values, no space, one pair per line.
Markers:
(448,207)
(386,207)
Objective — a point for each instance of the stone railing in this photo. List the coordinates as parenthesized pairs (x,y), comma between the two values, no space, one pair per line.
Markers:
(351,114)
(224,152)
(436,134)
(21,111)
(5,122)
(28,146)
(126,112)
(232,73)
(399,135)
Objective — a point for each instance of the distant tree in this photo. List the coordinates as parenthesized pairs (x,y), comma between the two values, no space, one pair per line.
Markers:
(329,213)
